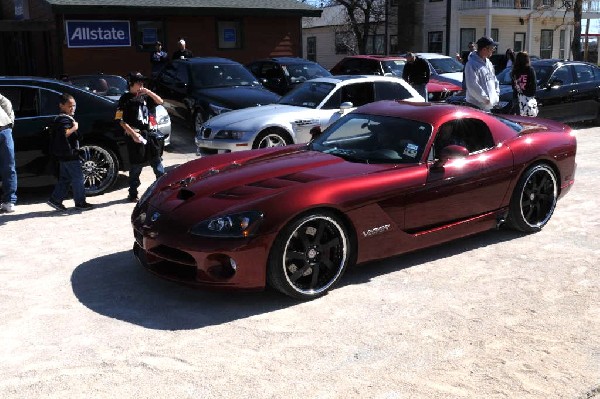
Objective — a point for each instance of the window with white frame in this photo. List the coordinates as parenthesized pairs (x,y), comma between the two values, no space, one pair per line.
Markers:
(311,48)
(519,42)
(434,41)
(546,42)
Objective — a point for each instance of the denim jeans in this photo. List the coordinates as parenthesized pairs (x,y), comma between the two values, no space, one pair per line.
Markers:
(421,89)
(70,174)
(135,170)
(7,167)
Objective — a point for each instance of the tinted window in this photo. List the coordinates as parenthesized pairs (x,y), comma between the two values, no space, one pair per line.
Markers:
(357,93)
(297,73)
(542,73)
(391,91)
(393,67)
(49,102)
(224,75)
(445,65)
(584,73)
(308,94)
(563,74)
(467,132)
(23,99)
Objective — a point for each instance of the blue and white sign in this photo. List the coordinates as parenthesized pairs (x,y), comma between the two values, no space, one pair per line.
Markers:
(229,35)
(82,34)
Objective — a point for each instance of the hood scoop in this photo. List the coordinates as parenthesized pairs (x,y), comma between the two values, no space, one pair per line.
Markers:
(185,194)
(267,186)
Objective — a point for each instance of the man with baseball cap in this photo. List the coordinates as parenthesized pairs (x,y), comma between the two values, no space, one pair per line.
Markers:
(483,89)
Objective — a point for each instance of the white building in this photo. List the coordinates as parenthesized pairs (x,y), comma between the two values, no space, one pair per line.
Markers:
(540,27)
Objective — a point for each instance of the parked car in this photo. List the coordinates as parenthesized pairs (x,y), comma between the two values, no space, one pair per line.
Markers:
(389,178)
(282,74)
(35,103)
(567,91)
(499,61)
(383,65)
(444,68)
(196,89)
(113,86)
(314,104)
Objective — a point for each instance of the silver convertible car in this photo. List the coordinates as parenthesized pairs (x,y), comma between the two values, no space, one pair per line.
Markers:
(315,103)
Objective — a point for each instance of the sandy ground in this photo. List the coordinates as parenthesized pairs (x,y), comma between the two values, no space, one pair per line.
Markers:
(498,315)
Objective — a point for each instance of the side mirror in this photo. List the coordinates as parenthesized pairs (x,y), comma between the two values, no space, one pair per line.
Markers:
(450,152)
(346,106)
(315,132)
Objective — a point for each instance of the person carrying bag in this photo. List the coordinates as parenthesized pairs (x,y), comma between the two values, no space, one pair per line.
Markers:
(524,84)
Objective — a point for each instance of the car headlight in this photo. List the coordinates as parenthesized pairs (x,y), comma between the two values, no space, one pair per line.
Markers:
(238,225)
(217,110)
(149,191)
(229,135)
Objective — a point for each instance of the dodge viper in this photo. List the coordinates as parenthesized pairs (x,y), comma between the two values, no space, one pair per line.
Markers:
(388,178)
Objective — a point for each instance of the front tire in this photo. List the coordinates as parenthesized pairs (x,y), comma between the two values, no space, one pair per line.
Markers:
(100,168)
(309,256)
(271,138)
(534,199)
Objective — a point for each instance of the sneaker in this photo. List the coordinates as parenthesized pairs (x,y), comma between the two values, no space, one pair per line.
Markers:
(56,205)
(133,198)
(84,206)
(8,207)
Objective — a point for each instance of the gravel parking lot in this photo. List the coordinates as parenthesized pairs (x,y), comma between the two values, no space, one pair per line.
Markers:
(497,315)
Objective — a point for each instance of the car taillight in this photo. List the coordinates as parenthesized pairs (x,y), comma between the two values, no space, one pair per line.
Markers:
(152,120)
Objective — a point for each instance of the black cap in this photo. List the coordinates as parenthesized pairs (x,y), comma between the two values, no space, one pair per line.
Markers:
(136,77)
(485,41)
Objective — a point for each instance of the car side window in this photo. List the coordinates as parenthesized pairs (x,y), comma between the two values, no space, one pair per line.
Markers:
(584,73)
(563,74)
(391,91)
(358,93)
(24,100)
(49,102)
(181,72)
(473,134)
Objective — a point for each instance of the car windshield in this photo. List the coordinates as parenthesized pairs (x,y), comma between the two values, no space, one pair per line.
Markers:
(308,94)
(394,67)
(107,85)
(298,73)
(374,139)
(542,73)
(445,65)
(224,75)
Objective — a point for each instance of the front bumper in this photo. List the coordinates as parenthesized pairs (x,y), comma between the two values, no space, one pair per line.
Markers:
(164,249)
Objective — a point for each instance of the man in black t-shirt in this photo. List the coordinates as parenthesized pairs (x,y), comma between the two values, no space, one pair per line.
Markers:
(416,72)
(64,146)
(144,148)
(182,52)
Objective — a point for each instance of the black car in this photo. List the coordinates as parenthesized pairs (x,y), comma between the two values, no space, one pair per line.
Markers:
(282,74)
(35,103)
(196,89)
(567,91)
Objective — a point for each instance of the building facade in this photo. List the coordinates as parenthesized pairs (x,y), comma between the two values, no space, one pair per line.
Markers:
(54,37)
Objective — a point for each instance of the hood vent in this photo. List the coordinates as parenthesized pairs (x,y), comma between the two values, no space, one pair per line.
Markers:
(185,194)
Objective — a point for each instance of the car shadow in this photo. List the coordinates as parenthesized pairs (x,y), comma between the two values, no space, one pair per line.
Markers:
(117,286)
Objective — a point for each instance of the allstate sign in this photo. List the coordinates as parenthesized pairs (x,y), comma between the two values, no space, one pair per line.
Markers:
(98,33)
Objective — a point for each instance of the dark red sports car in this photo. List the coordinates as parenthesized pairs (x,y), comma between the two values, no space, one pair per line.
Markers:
(388,178)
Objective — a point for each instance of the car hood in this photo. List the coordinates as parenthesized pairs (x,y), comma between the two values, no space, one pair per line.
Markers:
(235,97)
(243,116)
(221,183)
(455,76)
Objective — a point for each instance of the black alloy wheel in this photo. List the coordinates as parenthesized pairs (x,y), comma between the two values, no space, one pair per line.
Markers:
(309,256)
(534,199)
(100,168)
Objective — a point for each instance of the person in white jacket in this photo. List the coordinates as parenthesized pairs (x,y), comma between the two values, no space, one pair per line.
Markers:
(7,156)
(482,86)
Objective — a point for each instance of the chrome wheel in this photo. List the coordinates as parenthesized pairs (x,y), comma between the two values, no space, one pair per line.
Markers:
(309,256)
(269,139)
(100,169)
(534,199)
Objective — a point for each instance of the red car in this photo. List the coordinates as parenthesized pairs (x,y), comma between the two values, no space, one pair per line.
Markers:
(437,89)
(385,179)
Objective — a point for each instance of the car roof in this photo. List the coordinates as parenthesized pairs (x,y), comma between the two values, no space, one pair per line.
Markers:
(207,60)
(432,55)
(336,79)
(376,57)
(426,112)
(285,60)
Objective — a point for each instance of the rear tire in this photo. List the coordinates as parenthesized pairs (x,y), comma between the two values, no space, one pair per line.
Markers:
(100,168)
(534,199)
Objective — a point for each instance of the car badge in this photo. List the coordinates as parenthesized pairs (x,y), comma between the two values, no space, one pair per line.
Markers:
(154,217)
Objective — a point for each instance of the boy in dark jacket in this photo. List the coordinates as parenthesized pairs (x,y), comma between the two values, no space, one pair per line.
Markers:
(64,147)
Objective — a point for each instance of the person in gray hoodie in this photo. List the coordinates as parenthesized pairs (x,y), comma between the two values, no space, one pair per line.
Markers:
(483,88)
